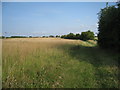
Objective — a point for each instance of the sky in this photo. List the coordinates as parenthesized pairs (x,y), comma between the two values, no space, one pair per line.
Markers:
(49,18)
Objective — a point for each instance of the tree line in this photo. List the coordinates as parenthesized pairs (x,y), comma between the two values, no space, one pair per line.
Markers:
(88,35)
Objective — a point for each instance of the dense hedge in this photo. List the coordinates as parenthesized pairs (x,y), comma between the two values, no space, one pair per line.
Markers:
(109,27)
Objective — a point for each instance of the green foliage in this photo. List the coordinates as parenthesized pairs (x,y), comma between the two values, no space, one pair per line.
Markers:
(77,36)
(45,36)
(109,27)
(2,36)
(18,37)
(51,36)
(57,36)
(63,36)
(70,36)
(87,35)
(30,36)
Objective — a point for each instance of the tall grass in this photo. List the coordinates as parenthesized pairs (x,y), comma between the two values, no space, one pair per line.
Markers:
(57,63)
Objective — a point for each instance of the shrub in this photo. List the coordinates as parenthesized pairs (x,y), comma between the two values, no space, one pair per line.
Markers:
(88,35)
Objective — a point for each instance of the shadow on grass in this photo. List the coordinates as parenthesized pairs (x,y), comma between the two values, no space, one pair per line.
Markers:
(94,55)
(101,60)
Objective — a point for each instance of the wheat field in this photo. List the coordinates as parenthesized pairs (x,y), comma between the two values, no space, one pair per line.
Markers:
(57,63)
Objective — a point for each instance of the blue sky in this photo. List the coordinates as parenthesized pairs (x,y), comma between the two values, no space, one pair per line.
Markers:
(50,18)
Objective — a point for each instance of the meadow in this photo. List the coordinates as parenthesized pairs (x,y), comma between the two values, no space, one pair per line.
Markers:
(57,63)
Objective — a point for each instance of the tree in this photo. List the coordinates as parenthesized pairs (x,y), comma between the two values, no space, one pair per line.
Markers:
(2,36)
(77,36)
(57,36)
(84,36)
(63,36)
(70,36)
(51,36)
(18,36)
(88,35)
(109,27)
(30,36)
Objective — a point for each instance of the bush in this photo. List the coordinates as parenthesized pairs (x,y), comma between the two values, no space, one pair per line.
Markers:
(87,35)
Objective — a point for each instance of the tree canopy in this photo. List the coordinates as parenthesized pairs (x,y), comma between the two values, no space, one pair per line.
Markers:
(88,35)
(109,27)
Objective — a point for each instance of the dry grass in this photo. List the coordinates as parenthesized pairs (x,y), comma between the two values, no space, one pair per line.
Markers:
(55,62)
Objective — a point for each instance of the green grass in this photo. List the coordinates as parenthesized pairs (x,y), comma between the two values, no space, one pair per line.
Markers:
(59,64)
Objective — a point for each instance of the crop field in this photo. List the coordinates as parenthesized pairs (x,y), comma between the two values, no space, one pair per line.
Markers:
(57,63)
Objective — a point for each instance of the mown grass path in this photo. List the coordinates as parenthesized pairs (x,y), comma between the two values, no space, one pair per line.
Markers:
(57,63)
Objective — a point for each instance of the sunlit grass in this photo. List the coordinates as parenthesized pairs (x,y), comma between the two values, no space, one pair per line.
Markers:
(57,63)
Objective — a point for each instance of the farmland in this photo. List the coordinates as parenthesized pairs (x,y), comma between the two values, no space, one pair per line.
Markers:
(57,63)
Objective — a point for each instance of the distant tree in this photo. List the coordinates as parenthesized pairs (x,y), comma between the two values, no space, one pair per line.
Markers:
(84,36)
(3,36)
(30,36)
(70,36)
(88,35)
(77,36)
(51,36)
(57,36)
(18,37)
(43,36)
(63,36)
